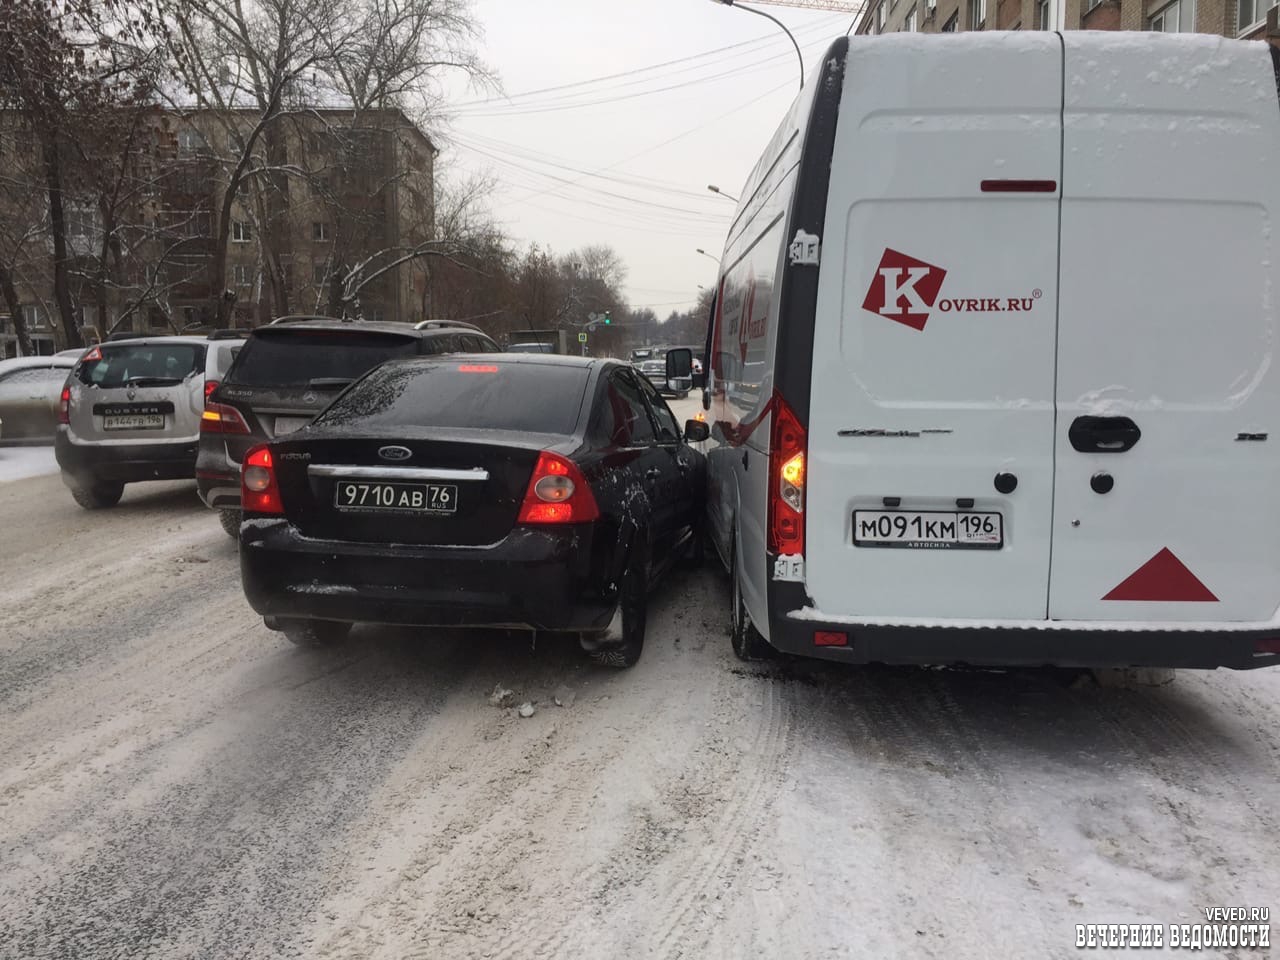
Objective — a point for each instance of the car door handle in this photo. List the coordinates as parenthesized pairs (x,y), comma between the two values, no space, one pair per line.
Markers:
(1103,434)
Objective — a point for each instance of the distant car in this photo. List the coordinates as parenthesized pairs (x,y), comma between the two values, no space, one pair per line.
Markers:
(130,411)
(29,391)
(654,367)
(543,492)
(287,373)
(531,348)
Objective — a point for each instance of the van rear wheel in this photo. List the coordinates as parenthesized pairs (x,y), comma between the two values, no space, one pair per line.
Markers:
(748,644)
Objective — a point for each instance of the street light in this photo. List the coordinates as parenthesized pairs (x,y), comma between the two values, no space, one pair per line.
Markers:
(720,193)
(781,25)
(705,254)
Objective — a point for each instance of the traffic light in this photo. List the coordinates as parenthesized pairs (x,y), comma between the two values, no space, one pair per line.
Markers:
(607,319)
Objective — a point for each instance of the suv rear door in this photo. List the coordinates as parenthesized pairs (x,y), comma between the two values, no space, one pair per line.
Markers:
(138,391)
(1168,324)
(933,361)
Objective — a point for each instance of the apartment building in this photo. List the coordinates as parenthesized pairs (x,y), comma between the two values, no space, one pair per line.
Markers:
(325,191)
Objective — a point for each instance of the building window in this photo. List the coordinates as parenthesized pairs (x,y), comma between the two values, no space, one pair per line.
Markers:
(1252,11)
(1044,16)
(880,18)
(190,142)
(241,232)
(910,25)
(952,24)
(34,316)
(319,274)
(1177,17)
(244,275)
(977,14)
(319,230)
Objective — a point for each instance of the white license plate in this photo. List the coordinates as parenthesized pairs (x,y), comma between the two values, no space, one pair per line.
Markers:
(133,421)
(377,497)
(928,530)
(290,424)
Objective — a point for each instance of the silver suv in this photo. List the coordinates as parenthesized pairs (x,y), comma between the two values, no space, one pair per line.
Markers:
(131,411)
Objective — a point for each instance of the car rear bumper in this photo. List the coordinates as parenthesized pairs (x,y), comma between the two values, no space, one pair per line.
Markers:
(543,579)
(124,463)
(1022,644)
(217,477)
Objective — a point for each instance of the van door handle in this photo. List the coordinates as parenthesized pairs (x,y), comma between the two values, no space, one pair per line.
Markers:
(1103,434)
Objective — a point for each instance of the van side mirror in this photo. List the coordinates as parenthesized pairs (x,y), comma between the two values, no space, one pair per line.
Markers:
(695,431)
(680,364)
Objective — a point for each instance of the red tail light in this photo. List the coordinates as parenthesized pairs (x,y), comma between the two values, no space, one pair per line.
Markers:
(220,418)
(557,493)
(259,492)
(788,448)
(64,406)
(209,387)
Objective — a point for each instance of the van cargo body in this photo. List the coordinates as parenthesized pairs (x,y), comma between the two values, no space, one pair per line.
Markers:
(991,362)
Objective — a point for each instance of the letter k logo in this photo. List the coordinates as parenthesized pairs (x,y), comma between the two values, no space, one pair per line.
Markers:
(904,289)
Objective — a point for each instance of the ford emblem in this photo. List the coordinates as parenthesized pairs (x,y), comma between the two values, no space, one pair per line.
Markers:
(395,453)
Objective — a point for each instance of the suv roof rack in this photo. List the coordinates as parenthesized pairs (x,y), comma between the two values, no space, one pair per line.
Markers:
(228,334)
(299,318)
(131,335)
(433,324)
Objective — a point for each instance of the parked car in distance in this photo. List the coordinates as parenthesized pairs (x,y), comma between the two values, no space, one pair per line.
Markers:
(513,490)
(287,373)
(30,388)
(654,367)
(130,411)
(531,348)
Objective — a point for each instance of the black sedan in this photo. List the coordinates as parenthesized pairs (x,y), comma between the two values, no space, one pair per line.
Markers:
(513,490)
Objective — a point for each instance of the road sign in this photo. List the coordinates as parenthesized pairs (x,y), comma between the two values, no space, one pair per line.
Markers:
(582,338)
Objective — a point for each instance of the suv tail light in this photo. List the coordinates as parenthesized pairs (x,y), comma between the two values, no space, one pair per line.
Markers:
(259,492)
(64,406)
(788,447)
(209,387)
(220,418)
(557,493)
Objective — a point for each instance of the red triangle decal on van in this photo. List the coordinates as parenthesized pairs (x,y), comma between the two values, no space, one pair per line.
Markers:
(1163,578)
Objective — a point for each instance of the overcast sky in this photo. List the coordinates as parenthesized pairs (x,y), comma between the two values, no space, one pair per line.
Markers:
(653,138)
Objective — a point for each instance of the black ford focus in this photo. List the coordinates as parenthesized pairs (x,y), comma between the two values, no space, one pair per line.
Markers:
(514,490)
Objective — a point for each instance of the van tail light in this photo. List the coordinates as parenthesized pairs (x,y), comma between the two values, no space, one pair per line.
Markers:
(209,387)
(259,491)
(220,418)
(64,406)
(788,448)
(557,493)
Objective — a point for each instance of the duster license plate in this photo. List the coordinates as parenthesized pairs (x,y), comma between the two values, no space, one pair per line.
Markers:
(928,530)
(372,496)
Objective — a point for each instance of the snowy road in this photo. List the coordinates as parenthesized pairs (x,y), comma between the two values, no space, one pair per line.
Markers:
(176,781)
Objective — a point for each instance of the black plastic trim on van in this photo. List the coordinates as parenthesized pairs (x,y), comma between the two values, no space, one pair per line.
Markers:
(1275,63)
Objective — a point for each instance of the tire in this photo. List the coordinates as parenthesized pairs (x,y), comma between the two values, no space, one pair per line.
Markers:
(747,642)
(230,520)
(98,496)
(315,633)
(621,644)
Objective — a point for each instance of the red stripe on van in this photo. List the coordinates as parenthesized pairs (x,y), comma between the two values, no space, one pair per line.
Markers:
(1019,186)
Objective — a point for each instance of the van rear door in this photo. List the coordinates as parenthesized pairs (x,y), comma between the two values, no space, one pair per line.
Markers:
(1168,440)
(933,363)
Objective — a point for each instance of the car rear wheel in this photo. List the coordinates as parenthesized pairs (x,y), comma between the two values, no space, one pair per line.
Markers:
(230,520)
(97,496)
(748,644)
(622,643)
(314,633)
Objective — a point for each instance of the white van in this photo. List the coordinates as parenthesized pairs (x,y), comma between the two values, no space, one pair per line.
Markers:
(992,359)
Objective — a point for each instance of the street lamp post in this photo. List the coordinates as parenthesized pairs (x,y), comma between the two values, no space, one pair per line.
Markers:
(720,193)
(781,25)
(707,255)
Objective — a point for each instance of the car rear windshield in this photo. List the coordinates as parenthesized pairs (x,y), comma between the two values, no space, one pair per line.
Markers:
(528,397)
(295,358)
(116,365)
